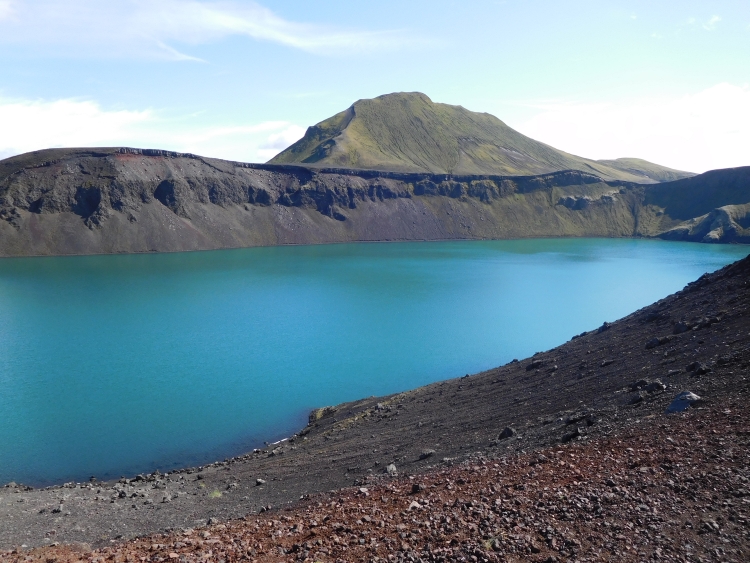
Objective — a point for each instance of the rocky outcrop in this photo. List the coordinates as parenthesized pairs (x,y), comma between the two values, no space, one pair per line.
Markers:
(87,201)
(728,224)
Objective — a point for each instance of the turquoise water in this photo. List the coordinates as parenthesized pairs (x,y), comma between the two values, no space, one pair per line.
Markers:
(114,365)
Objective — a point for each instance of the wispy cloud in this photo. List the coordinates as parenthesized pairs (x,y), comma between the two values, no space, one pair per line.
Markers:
(37,124)
(153,27)
(711,24)
(174,54)
(701,131)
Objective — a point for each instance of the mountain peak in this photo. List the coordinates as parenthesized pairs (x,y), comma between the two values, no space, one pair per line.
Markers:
(408,132)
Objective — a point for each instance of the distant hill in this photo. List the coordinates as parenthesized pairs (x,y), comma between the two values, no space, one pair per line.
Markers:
(408,132)
(640,167)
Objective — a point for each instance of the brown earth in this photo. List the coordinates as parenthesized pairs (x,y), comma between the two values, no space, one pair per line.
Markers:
(597,393)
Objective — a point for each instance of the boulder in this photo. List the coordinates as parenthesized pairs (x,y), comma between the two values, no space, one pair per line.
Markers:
(506,433)
(682,402)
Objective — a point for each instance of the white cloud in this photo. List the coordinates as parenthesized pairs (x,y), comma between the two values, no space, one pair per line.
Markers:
(38,124)
(30,125)
(711,24)
(698,132)
(277,142)
(6,9)
(152,27)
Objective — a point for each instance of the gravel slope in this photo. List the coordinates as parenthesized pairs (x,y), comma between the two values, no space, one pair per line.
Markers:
(673,489)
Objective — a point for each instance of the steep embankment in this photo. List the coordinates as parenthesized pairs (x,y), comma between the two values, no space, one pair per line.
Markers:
(408,132)
(712,207)
(84,201)
(607,388)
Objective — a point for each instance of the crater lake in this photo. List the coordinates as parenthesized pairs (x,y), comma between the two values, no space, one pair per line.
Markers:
(118,365)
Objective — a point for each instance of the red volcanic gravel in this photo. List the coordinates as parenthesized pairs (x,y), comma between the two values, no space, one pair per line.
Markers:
(671,487)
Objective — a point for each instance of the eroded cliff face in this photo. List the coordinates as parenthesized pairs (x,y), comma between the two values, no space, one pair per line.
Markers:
(85,201)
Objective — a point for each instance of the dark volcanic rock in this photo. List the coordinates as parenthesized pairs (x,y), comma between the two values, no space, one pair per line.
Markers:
(84,201)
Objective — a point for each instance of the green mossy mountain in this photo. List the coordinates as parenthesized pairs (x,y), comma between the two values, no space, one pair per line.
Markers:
(408,132)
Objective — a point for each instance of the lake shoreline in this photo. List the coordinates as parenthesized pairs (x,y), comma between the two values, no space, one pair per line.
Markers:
(582,390)
(229,343)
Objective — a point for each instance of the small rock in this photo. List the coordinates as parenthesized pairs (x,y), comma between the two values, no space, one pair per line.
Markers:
(655,386)
(638,385)
(259,482)
(605,326)
(506,433)
(426,453)
(414,505)
(417,488)
(536,364)
(213,520)
(725,360)
(683,401)
(572,435)
(698,368)
(635,399)
(391,470)
(681,327)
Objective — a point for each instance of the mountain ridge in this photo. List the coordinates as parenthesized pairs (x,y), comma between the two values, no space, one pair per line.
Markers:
(408,132)
(115,200)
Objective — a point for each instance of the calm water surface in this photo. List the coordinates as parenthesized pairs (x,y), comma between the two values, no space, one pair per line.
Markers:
(113,365)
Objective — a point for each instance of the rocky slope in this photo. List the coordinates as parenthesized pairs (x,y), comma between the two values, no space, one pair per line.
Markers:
(408,132)
(617,477)
(86,201)
(672,489)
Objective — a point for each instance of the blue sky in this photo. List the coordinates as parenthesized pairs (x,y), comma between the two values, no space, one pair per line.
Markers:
(665,81)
